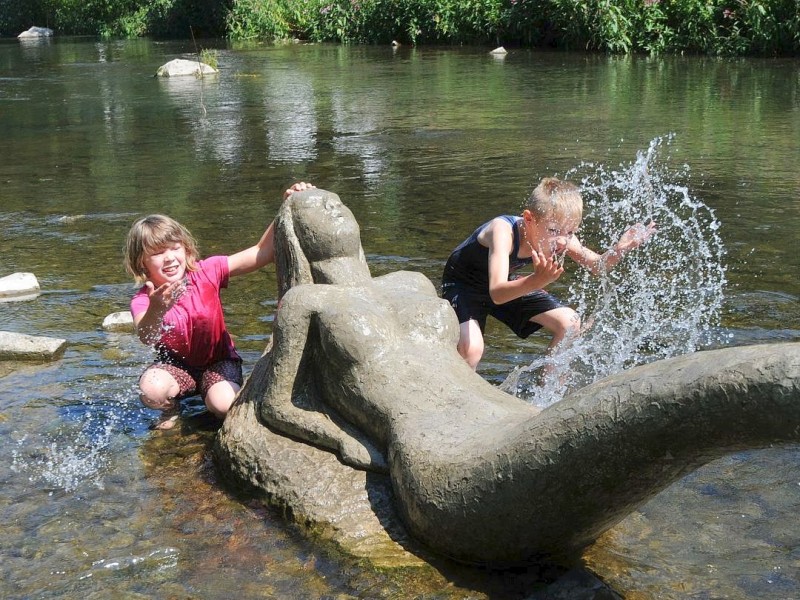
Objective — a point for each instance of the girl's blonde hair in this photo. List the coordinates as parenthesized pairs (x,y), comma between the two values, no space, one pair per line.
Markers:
(554,198)
(151,234)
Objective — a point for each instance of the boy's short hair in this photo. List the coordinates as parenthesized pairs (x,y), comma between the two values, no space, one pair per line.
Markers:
(554,198)
(151,234)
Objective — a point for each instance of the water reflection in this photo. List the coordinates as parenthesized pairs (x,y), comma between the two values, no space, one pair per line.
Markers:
(291,116)
(422,144)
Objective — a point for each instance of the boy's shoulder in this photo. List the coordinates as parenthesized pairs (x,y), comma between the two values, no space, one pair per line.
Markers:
(502,224)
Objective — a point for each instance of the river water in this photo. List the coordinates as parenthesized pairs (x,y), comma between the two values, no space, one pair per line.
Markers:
(423,145)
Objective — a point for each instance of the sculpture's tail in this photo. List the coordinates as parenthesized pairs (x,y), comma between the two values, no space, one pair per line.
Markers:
(546,488)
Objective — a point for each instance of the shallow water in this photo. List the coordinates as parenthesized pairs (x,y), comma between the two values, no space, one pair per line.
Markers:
(423,145)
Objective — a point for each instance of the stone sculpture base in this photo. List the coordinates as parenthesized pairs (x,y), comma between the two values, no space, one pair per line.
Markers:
(350,507)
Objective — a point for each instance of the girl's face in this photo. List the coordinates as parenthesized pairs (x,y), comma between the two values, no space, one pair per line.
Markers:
(166,264)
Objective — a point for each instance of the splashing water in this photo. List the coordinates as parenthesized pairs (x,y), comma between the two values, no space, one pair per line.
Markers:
(80,450)
(662,300)
(65,466)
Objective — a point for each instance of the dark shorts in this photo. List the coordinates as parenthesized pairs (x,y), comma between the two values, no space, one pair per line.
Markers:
(516,314)
(193,381)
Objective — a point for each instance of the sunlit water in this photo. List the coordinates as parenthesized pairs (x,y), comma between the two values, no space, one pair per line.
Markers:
(422,144)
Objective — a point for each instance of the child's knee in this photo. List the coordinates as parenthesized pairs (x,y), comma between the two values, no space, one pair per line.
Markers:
(567,322)
(158,390)
(157,401)
(471,351)
(572,323)
(220,398)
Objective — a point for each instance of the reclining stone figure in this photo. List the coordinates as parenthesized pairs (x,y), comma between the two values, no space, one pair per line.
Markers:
(368,368)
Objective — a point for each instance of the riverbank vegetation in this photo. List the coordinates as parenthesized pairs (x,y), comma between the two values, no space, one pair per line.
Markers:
(712,27)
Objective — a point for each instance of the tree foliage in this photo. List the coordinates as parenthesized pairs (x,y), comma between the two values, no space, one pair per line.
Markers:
(715,27)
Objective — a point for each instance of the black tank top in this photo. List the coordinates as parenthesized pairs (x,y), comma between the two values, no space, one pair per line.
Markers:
(469,262)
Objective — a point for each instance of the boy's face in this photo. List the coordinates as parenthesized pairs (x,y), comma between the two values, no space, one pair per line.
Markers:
(550,235)
(166,264)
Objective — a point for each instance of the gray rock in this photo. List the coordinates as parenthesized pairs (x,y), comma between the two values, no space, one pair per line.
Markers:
(119,321)
(36,32)
(19,346)
(19,286)
(180,67)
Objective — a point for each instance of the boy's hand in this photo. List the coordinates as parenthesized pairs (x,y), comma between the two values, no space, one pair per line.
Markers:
(545,270)
(300,186)
(635,236)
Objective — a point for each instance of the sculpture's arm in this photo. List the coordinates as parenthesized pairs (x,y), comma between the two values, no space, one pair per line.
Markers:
(291,336)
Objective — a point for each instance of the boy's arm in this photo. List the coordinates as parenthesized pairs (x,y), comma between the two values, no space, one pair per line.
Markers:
(499,238)
(263,253)
(633,237)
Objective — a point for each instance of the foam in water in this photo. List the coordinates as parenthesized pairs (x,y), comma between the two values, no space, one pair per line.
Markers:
(662,300)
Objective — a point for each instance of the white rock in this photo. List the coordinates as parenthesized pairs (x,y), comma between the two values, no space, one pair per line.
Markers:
(19,346)
(18,286)
(36,32)
(180,67)
(499,50)
(119,321)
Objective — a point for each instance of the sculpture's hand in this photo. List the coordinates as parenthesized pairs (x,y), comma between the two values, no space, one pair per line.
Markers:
(362,455)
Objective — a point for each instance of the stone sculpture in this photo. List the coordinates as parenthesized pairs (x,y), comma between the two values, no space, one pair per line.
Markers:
(367,368)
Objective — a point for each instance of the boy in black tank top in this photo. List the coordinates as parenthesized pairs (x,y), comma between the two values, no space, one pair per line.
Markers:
(479,277)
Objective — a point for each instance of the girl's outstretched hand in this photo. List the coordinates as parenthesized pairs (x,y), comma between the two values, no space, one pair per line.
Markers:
(300,186)
(165,295)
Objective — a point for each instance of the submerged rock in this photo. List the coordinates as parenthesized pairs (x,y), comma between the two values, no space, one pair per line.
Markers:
(119,321)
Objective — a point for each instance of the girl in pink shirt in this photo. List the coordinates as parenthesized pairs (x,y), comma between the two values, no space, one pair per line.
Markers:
(178,311)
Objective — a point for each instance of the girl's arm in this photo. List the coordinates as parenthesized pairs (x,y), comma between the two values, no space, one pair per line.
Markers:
(498,236)
(633,237)
(263,253)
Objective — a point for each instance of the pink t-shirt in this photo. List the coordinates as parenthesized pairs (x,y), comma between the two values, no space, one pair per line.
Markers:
(194,330)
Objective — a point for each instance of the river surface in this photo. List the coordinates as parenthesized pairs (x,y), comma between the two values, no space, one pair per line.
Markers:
(423,145)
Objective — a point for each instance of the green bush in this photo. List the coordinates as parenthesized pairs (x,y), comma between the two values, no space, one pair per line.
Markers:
(715,27)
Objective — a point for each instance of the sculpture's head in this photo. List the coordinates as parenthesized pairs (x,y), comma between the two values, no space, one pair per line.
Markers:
(317,240)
